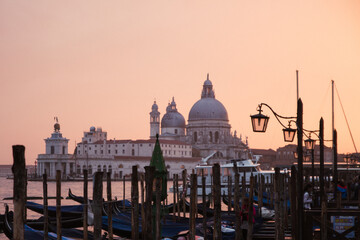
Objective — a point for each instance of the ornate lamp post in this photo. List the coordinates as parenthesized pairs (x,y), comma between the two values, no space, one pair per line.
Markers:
(260,121)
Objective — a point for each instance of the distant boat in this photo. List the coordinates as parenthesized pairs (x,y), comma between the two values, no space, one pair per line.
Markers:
(246,167)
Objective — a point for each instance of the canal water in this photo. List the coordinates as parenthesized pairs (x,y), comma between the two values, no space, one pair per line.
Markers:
(35,189)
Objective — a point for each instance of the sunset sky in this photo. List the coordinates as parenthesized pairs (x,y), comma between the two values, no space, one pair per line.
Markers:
(102,63)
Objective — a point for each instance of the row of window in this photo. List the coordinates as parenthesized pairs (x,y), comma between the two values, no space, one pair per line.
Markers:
(169,152)
(133,145)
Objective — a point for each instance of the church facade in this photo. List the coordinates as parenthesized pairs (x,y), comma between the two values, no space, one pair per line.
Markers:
(207,131)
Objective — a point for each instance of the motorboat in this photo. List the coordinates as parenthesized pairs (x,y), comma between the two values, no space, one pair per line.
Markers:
(246,168)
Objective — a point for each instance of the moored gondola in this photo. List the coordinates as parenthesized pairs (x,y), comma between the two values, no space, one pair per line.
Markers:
(73,211)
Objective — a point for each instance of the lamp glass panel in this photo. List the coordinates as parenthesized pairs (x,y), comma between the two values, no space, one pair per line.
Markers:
(289,134)
(259,122)
(309,144)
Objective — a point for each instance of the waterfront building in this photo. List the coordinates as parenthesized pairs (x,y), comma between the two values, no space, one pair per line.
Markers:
(97,153)
(208,131)
(56,156)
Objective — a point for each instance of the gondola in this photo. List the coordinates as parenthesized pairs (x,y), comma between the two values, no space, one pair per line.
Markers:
(200,209)
(73,211)
(122,226)
(29,233)
(34,228)
(79,199)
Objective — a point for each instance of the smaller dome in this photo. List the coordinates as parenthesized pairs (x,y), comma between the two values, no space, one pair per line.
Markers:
(172,118)
(92,129)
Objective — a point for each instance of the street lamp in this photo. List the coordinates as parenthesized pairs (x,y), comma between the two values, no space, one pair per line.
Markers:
(259,121)
(289,134)
(310,146)
(259,124)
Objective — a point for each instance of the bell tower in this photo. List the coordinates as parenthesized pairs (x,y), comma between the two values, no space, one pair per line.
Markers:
(154,120)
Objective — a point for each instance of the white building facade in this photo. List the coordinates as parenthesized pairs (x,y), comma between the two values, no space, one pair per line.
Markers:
(56,156)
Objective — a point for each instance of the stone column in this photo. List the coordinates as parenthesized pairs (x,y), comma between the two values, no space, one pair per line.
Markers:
(52,169)
(67,169)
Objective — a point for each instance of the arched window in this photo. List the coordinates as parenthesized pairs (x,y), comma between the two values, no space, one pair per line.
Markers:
(90,170)
(99,168)
(78,170)
(195,136)
(216,137)
(109,169)
(176,131)
(211,137)
(104,168)
(133,152)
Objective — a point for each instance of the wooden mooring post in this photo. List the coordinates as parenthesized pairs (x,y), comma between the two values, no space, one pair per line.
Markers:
(134,204)
(124,193)
(19,190)
(58,204)
(324,220)
(184,175)
(251,206)
(149,179)
(157,209)
(217,201)
(97,204)
(177,196)
(174,198)
(45,203)
(261,190)
(193,190)
(86,203)
(293,192)
(238,232)
(203,179)
(229,194)
(279,230)
(143,219)
(109,205)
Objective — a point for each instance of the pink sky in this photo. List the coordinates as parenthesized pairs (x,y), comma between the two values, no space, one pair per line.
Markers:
(103,63)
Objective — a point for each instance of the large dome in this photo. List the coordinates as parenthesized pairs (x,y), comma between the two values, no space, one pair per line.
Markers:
(208,109)
(172,118)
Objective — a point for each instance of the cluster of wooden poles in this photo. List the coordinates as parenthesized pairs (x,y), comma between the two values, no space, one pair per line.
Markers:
(279,188)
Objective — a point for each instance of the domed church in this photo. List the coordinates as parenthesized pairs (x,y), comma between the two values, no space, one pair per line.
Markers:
(208,129)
